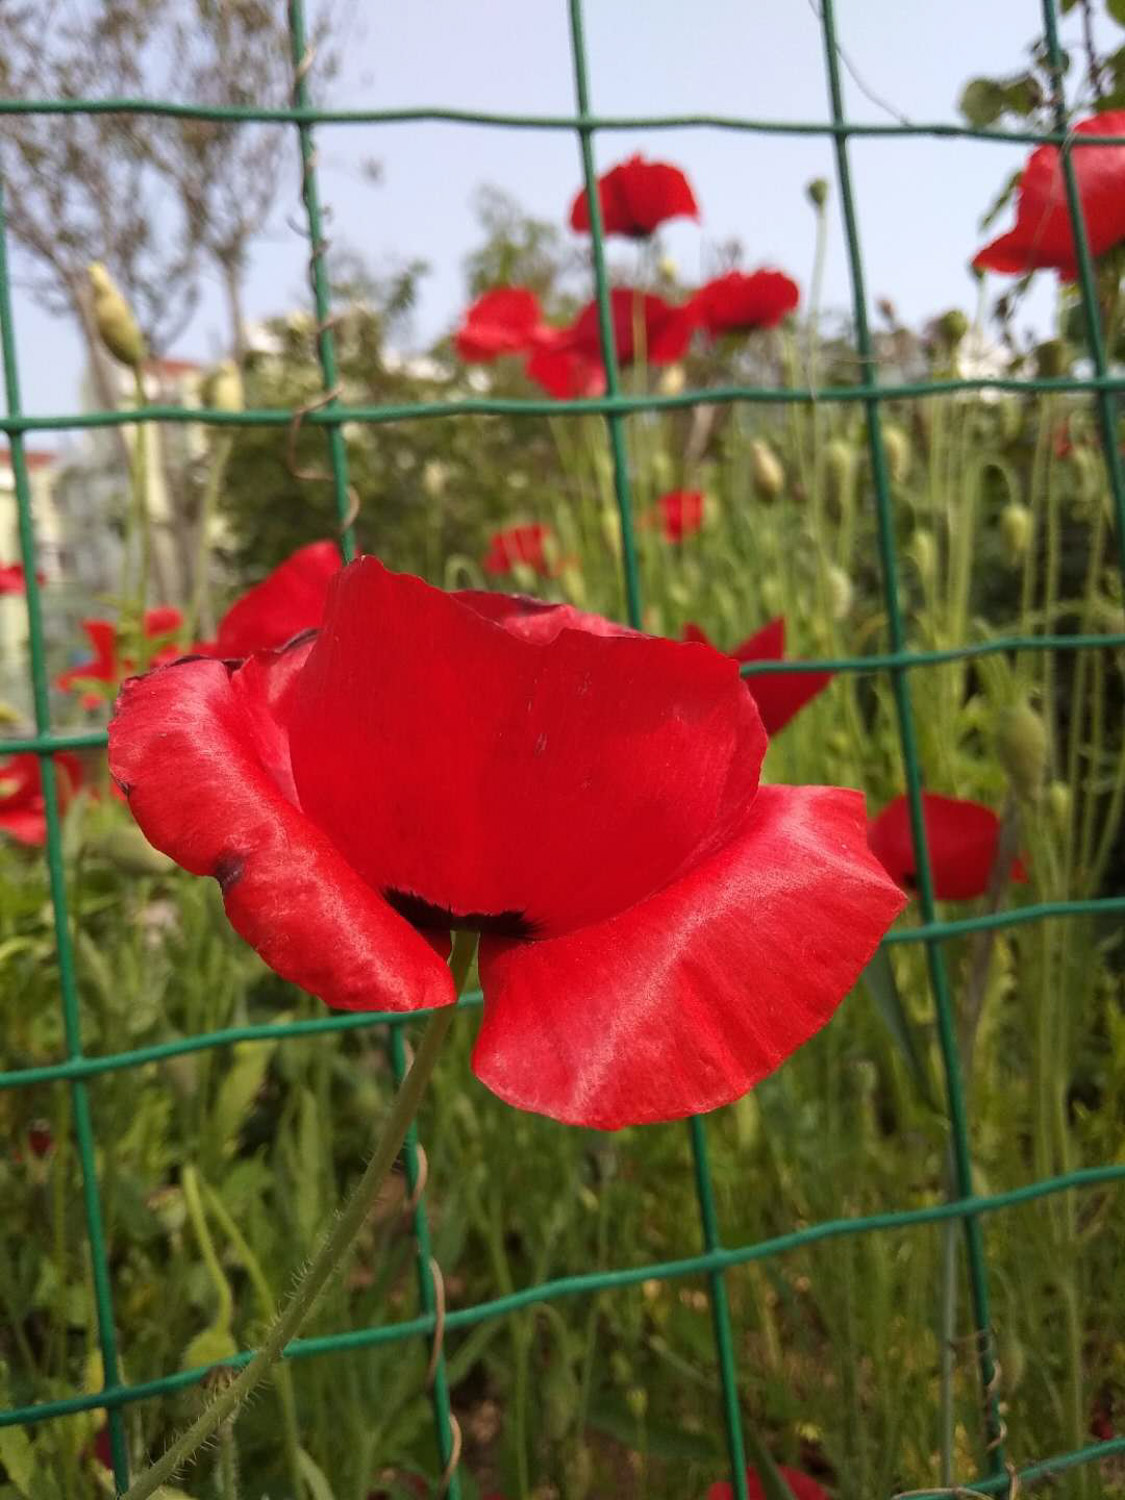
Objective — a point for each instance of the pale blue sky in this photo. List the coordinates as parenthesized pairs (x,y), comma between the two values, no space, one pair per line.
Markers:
(919,199)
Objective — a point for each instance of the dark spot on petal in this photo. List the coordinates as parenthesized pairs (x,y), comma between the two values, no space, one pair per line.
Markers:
(126,787)
(232,663)
(430,918)
(298,640)
(227,870)
(910,881)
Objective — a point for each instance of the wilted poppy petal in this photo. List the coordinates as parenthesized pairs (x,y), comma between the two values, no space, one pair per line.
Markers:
(522,757)
(200,752)
(504,321)
(1042,235)
(740,303)
(290,600)
(960,836)
(688,999)
(636,197)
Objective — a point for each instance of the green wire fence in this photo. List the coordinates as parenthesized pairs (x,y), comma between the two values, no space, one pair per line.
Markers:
(714,1259)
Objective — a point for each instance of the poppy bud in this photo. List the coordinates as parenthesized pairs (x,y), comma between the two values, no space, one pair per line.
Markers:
(672,380)
(766,470)
(952,327)
(923,549)
(222,389)
(116,325)
(1058,804)
(888,311)
(611,531)
(1011,415)
(668,268)
(1016,527)
(434,476)
(570,576)
(839,470)
(840,593)
(1052,359)
(896,446)
(167,1206)
(1021,743)
(817,191)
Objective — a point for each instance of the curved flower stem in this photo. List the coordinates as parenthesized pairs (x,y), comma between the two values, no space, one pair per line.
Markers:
(143,520)
(199,620)
(329,1258)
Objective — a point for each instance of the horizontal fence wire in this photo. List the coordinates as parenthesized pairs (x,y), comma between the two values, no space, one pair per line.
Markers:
(715,1260)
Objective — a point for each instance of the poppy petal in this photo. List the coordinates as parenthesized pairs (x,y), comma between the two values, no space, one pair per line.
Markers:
(289,600)
(636,197)
(200,752)
(524,756)
(503,321)
(688,999)
(960,837)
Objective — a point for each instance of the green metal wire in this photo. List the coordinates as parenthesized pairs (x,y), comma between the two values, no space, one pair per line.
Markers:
(900,685)
(899,661)
(338,462)
(705,1194)
(56,875)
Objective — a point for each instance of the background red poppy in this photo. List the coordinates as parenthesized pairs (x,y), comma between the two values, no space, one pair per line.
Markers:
(779,695)
(645,327)
(636,197)
(23,813)
(289,600)
(503,321)
(961,839)
(739,302)
(519,544)
(679,514)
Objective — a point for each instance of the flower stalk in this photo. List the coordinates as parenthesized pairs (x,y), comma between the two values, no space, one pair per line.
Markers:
(224,1406)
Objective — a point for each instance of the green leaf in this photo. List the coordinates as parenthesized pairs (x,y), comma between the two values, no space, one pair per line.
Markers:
(18,1457)
(210,1347)
(879,977)
(1115,9)
(238,1091)
(982,101)
(314,1477)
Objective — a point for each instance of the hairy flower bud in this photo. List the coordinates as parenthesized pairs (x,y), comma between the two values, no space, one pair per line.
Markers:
(116,325)
(1016,528)
(1058,804)
(952,327)
(222,388)
(817,191)
(1021,743)
(766,470)
(923,549)
(896,446)
(840,593)
(1052,359)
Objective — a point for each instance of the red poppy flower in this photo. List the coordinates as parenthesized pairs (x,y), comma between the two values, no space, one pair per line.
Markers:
(636,197)
(519,544)
(22,810)
(13,580)
(107,666)
(1042,237)
(679,514)
(802,1486)
(534,620)
(504,321)
(961,838)
(289,600)
(665,331)
(739,302)
(657,933)
(779,696)
(566,374)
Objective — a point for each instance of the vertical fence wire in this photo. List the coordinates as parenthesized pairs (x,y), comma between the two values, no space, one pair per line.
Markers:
(326,348)
(56,875)
(705,1192)
(962,1185)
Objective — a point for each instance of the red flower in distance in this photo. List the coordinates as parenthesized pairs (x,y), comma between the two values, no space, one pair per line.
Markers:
(739,302)
(802,1486)
(505,321)
(107,667)
(665,331)
(289,600)
(566,374)
(13,580)
(519,544)
(657,932)
(678,514)
(23,813)
(961,839)
(636,197)
(780,696)
(1041,237)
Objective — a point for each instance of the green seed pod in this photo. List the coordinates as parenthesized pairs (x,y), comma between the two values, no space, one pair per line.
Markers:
(952,327)
(116,325)
(766,470)
(839,474)
(923,549)
(1010,415)
(840,593)
(1016,527)
(1059,802)
(896,446)
(1052,359)
(817,192)
(1021,743)
(222,388)
(611,530)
